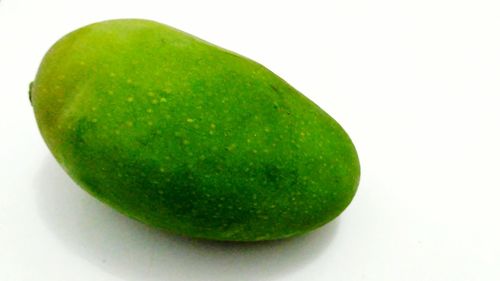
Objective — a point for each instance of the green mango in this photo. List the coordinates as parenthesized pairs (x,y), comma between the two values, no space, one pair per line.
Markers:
(189,137)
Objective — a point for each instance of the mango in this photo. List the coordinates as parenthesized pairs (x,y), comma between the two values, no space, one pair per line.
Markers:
(188,137)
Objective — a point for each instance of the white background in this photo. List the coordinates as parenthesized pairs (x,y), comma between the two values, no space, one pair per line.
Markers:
(415,83)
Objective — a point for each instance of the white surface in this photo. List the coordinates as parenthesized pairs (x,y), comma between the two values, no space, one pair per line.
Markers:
(415,83)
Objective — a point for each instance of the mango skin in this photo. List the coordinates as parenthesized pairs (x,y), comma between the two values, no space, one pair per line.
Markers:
(188,137)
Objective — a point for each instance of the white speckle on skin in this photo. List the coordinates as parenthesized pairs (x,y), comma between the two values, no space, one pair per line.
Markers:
(149,110)
(190,120)
(163,100)
(130,99)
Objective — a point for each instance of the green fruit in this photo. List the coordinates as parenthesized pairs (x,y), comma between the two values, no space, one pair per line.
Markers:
(183,135)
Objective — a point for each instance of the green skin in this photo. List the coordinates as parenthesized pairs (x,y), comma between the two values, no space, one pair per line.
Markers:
(186,136)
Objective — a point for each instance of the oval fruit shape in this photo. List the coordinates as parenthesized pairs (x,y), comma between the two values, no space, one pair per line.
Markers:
(188,137)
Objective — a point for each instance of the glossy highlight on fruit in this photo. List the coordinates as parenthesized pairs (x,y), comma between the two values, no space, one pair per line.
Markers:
(188,137)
